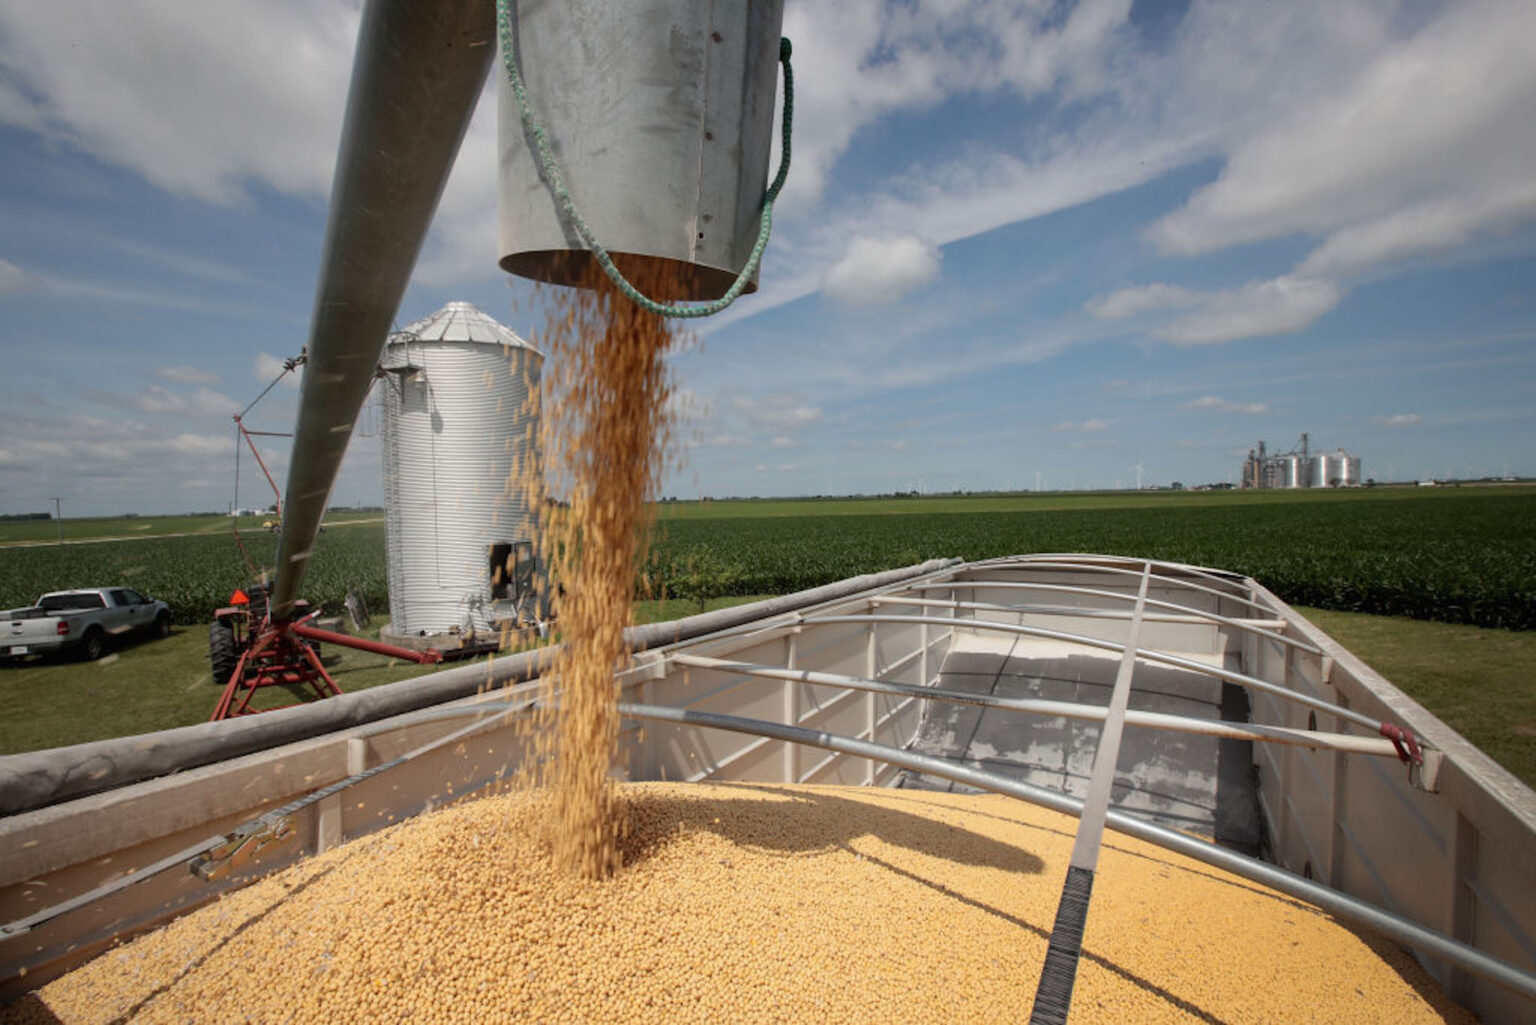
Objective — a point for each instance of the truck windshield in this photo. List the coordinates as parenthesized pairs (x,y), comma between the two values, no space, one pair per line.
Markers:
(71,602)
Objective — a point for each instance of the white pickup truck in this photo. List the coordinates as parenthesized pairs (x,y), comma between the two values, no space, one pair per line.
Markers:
(85,620)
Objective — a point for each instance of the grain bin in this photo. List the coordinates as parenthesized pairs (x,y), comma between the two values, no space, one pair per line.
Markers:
(457,422)
(1319,467)
(661,114)
(1293,471)
(1336,469)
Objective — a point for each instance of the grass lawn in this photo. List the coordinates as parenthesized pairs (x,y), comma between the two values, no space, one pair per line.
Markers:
(155,685)
(142,687)
(1478,681)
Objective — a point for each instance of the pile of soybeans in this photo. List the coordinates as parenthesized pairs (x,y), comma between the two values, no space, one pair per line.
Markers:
(742,903)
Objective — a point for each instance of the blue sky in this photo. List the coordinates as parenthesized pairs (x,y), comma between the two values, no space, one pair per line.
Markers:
(1022,244)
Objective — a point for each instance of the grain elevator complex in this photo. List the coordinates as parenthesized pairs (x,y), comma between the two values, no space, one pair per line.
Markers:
(1300,468)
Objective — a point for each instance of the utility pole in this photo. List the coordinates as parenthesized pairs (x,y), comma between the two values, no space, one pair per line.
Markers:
(58,517)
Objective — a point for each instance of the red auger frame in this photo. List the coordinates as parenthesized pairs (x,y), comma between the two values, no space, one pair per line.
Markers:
(249,651)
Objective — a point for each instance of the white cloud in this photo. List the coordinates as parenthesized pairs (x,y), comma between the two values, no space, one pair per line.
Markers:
(203,402)
(137,295)
(867,59)
(1086,426)
(462,245)
(1386,136)
(269,366)
(12,278)
(729,441)
(1220,405)
(104,461)
(686,405)
(1286,303)
(1408,156)
(1418,230)
(878,270)
(783,441)
(1427,116)
(187,375)
(203,444)
(201,99)
(1139,299)
(781,411)
(1398,419)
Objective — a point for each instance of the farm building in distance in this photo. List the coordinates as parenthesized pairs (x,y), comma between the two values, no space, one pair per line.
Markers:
(1299,468)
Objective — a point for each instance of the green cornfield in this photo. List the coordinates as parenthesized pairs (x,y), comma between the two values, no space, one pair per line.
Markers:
(1459,559)
(1457,556)
(197,574)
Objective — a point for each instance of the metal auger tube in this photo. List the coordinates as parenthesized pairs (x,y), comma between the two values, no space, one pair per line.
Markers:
(415,80)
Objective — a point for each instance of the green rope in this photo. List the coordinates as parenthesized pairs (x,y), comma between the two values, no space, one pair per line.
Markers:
(556,181)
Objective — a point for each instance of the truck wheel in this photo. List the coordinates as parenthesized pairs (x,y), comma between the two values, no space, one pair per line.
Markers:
(93,645)
(222,653)
(163,625)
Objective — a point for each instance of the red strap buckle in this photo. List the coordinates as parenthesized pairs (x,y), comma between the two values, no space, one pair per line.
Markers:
(1406,743)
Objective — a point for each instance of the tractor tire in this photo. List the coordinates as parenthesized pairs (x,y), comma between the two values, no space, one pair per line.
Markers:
(94,644)
(223,654)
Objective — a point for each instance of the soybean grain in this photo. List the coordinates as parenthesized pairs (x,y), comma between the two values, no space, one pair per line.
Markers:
(743,902)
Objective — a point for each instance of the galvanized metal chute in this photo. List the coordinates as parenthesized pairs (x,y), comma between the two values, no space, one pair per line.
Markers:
(660,116)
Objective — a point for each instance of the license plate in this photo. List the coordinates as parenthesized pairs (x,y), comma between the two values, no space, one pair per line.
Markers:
(16,649)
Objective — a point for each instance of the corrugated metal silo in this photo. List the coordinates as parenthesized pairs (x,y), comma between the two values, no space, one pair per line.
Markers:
(1293,472)
(1325,467)
(1337,469)
(1350,477)
(457,420)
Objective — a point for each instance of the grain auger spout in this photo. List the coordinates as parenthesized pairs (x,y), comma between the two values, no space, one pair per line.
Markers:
(670,172)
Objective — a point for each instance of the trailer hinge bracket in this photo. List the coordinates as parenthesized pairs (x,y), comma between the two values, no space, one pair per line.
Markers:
(242,846)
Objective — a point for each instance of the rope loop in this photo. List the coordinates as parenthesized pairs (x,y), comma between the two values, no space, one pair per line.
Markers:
(554,178)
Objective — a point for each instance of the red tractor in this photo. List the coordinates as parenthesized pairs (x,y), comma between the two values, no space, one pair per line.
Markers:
(249,651)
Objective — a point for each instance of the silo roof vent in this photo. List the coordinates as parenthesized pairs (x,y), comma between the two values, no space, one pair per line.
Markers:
(461,322)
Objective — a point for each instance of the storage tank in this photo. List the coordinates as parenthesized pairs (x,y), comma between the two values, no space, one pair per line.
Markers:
(457,421)
(1337,469)
(1293,471)
(1325,467)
